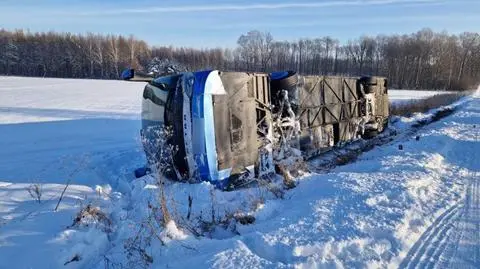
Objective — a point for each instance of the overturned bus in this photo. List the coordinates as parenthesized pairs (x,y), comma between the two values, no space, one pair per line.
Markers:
(226,125)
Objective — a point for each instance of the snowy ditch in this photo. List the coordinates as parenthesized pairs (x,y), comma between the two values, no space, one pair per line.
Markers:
(363,215)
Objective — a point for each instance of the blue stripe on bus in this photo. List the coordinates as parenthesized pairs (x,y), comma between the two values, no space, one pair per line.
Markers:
(198,126)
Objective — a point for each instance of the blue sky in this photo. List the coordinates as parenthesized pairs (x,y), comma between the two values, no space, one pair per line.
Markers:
(218,23)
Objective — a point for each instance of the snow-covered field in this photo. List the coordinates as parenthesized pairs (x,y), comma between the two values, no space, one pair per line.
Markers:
(416,207)
(401,96)
(52,131)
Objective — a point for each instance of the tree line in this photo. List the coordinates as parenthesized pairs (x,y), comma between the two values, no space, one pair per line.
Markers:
(421,60)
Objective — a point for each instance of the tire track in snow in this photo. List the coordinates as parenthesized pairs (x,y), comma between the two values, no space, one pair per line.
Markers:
(467,248)
(477,207)
(453,240)
(439,227)
(443,254)
(434,252)
(474,216)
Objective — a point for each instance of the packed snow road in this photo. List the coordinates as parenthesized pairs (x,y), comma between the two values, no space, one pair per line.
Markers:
(411,208)
(453,239)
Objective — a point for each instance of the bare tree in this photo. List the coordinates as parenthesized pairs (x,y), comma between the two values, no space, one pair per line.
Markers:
(256,49)
(424,59)
(114,54)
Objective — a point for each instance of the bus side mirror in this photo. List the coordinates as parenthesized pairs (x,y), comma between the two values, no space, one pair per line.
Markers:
(128,74)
